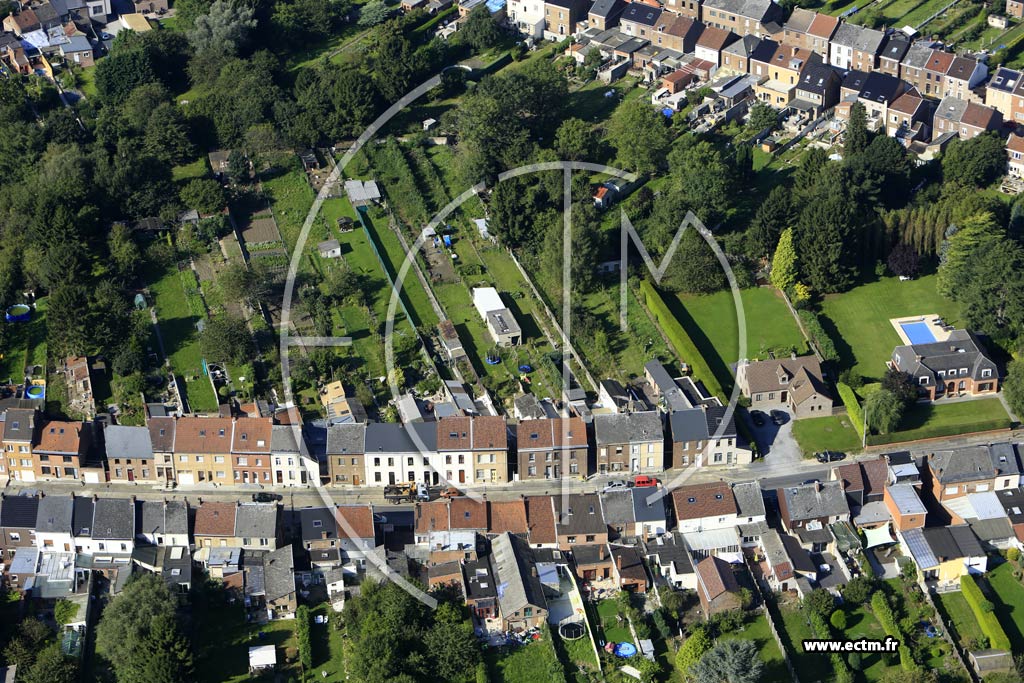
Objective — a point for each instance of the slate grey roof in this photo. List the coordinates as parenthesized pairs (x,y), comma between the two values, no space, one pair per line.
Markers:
(990,530)
(807,502)
(1004,458)
(54,515)
(688,425)
(906,499)
(744,47)
(282,438)
(749,499)
(618,507)
(391,437)
(256,520)
(19,424)
(161,433)
(972,463)
(19,512)
(670,548)
(345,439)
(586,517)
(917,56)
(755,9)
(113,519)
(1004,80)
(628,428)
(895,47)
(128,442)
(858,38)
(518,587)
(478,578)
(606,8)
(81,519)
(669,391)
(881,87)
(816,78)
(1012,501)
(641,14)
(962,349)
(316,522)
(952,542)
(645,509)
(162,517)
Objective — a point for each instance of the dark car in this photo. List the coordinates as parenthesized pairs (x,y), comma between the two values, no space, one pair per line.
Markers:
(810,481)
(759,418)
(265,497)
(830,456)
(780,417)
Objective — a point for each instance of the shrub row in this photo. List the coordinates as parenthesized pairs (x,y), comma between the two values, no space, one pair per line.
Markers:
(853,409)
(819,337)
(983,612)
(939,430)
(883,611)
(679,339)
(302,626)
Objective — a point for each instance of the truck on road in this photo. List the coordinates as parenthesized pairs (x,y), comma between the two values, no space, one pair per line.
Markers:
(406,492)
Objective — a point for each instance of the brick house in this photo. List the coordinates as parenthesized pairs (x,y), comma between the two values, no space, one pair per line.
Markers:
(552,448)
(130,455)
(202,450)
(925,68)
(250,450)
(796,384)
(717,587)
(966,119)
(703,437)
(742,17)
(161,438)
(959,365)
(855,47)
(904,504)
(61,450)
(629,442)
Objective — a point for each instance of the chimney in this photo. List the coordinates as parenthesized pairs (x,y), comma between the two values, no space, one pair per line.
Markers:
(818,487)
(95,497)
(618,562)
(600,552)
(533,571)
(792,355)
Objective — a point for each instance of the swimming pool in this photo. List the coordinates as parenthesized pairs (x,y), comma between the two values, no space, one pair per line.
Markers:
(918,333)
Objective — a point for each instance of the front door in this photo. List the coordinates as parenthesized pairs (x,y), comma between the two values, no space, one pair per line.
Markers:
(355,480)
(462,476)
(131,474)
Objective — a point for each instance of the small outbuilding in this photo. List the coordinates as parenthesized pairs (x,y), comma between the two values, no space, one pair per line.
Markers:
(329,249)
(262,658)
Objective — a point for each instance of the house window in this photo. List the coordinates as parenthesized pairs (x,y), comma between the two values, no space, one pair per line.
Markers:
(923,380)
(986,373)
(571,540)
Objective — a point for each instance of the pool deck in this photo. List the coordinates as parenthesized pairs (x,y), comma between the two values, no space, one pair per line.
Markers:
(933,321)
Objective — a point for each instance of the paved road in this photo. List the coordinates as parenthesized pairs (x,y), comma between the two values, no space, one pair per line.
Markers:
(771,475)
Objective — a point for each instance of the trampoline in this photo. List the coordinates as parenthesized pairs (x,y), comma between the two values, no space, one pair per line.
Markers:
(573,630)
(525,368)
(18,313)
(35,391)
(625,650)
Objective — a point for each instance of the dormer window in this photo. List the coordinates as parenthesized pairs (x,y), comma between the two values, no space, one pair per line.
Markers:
(318,523)
(923,380)
(691,499)
(221,432)
(245,437)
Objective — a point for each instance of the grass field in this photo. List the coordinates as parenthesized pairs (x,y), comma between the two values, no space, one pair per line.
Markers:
(862,624)
(526,664)
(831,433)
(860,318)
(959,617)
(177,323)
(1009,602)
(923,417)
(186,172)
(87,82)
(291,197)
(612,629)
(712,325)
(758,631)
(921,12)
(26,346)
(793,630)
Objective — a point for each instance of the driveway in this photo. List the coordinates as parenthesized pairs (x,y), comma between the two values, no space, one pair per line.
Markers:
(778,446)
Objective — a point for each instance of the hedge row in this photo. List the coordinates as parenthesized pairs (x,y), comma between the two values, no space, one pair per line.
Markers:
(883,611)
(680,340)
(819,337)
(302,627)
(939,430)
(987,619)
(853,409)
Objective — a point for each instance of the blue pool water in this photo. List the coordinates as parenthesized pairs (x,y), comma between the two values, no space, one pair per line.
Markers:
(918,333)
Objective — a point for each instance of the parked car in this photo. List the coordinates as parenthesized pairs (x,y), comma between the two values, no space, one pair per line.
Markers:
(616,485)
(265,497)
(450,492)
(780,417)
(830,456)
(642,480)
(759,418)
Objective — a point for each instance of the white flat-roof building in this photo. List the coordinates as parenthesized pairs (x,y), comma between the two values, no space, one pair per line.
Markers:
(500,322)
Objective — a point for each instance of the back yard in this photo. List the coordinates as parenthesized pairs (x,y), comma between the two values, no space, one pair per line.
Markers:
(958,616)
(1008,596)
(862,332)
(759,632)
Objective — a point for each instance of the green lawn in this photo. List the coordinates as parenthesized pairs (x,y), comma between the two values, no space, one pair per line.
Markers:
(758,632)
(711,322)
(860,623)
(922,12)
(922,418)
(224,639)
(177,322)
(613,630)
(87,82)
(1009,602)
(291,197)
(959,617)
(186,172)
(862,332)
(26,346)
(793,630)
(530,663)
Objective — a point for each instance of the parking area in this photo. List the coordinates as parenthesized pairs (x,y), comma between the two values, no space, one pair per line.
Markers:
(776,442)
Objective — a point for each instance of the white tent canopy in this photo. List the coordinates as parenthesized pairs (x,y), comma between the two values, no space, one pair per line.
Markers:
(262,657)
(878,536)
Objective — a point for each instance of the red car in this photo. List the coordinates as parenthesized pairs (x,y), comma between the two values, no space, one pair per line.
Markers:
(642,480)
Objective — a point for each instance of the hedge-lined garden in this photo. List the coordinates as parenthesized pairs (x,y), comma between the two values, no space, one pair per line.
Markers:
(984,612)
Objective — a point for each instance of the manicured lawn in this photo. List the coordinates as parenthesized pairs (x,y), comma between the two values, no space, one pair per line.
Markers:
(26,346)
(831,433)
(793,630)
(530,663)
(186,172)
(224,639)
(922,12)
(177,322)
(715,330)
(924,419)
(959,617)
(614,630)
(862,332)
(862,624)
(758,631)
(1009,602)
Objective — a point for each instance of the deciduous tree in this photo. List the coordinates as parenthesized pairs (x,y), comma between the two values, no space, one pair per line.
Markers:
(638,133)
(784,264)
(730,661)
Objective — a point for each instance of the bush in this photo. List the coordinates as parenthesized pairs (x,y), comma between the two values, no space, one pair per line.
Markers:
(820,338)
(681,342)
(838,620)
(853,409)
(302,626)
(883,611)
(1013,554)
(983,612)
(939,430)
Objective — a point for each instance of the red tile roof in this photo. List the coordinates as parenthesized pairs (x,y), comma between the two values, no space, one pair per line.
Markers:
(359,519)
(252,435)
(562,432)
(203,435)
(540,517)
(215,519)
(823,26)
(508,516)
(716,577)
(1015,143)
(432,516)
(715,38)
(466,513)
(708,500)
(60,437)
